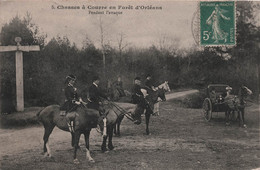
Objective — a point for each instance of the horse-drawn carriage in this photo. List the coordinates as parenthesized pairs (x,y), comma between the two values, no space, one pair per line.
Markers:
(219,100)
(214,102)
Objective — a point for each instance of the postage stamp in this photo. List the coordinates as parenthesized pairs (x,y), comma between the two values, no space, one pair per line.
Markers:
(217,23)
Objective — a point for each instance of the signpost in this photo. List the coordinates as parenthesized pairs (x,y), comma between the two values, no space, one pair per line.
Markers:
(19,68)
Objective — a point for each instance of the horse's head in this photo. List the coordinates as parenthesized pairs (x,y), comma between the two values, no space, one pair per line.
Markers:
(245,91)
(161,94)
(165,86)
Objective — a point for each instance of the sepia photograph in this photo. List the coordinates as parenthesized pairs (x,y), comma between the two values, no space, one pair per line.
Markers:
(129,84)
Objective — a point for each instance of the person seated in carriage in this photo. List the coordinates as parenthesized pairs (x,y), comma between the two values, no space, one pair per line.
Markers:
(228,89)
(96,96)
(213,95)
(72,100)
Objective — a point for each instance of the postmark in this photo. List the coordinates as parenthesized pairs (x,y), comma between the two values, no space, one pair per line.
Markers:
(217,23)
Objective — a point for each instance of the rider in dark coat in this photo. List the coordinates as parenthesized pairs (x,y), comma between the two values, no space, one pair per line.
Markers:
(96,94)
(72,99)
(137,95)
(138,98)
(149,86)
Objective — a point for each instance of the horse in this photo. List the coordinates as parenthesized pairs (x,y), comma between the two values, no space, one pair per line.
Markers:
(237,104)
(152,99)
(113,111)
(85,120)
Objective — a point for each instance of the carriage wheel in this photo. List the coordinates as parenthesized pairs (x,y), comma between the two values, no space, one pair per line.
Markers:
(207,109)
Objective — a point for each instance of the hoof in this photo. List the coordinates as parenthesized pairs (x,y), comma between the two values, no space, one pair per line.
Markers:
(244,126)
(76,161)
(47,155)
(103,149)
(227,124)
(92,161)
(111,147)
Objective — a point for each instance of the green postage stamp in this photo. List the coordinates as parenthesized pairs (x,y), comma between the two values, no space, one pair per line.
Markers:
(217,23)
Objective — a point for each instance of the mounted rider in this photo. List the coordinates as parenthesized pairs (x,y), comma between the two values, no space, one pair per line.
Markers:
(72,101)
(138,98)
(149,86)
(96,95)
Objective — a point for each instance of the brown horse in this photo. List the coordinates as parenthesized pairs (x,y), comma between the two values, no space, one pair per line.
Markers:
(237,104)
(85,120)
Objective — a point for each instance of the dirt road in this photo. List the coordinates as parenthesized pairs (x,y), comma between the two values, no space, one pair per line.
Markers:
(180,139)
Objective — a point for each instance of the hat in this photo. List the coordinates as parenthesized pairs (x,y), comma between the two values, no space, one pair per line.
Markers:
(137,78)
(95,78)
(228,88)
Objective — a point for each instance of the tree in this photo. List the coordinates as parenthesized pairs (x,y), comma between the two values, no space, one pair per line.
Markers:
(122,44)
(30,35)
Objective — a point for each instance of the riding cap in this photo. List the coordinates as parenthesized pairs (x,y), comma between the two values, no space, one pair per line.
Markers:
(228,88)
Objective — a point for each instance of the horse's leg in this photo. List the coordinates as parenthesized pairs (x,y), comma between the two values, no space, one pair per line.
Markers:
(118,126)
(243,117)
(104,144)
(227,113)
(48,128)
(72,139)
(88,156)
(110,136)
(147,118)
(115,130)
(76,144)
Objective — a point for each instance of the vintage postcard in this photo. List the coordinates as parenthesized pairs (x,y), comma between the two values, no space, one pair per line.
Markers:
(129,84)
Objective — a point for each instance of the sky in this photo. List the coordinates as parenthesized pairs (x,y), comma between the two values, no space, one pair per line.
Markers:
(141,28)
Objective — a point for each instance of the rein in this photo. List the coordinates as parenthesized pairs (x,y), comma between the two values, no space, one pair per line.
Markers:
(121,110)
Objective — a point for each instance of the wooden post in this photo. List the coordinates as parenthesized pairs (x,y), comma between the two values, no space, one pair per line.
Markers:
(19,81)
(19,68)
